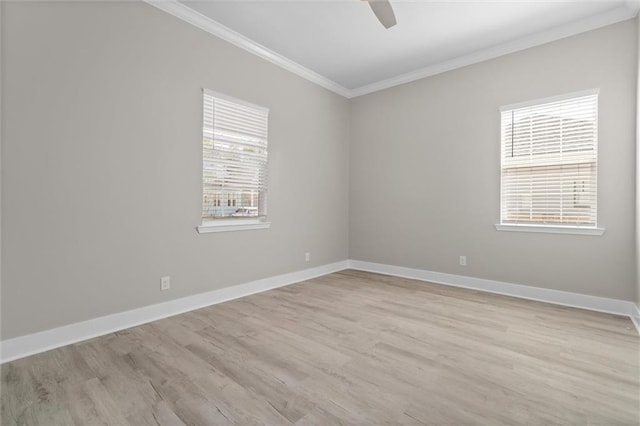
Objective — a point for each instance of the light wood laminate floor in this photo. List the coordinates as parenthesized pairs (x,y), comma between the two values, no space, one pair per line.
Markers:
(346,348)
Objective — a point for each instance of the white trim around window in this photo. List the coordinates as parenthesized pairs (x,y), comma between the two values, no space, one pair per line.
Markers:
(547,229)
(226,225)
(234,164)
(549,156)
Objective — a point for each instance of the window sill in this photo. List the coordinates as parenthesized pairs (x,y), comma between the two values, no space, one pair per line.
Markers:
(547,229)
(227,225)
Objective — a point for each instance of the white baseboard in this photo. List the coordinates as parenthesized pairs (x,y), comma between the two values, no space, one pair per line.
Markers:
(635,317)
(30,344)
(557,297)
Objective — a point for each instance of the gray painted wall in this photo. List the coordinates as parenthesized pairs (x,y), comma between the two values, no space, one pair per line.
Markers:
(1,149)
(425,169)
(638,169)
(102,163)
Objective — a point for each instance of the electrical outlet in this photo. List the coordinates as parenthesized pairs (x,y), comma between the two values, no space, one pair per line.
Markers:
(165,283)
(307,257)
(463,260)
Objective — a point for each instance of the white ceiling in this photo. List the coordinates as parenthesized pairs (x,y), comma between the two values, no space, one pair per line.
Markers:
(341,45)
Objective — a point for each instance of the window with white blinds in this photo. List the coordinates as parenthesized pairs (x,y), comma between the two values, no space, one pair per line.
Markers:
(234,158)
(549,162)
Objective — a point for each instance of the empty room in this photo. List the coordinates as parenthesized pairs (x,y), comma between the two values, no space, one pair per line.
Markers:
(320,212)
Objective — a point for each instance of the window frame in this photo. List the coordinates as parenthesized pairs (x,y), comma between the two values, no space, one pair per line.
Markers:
(226,224)
(551,228)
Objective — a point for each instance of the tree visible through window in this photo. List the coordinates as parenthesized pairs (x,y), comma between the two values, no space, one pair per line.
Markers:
(549,161)
(234,158)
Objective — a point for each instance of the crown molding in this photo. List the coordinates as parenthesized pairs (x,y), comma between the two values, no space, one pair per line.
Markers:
(616,15)
(179,10)
(174,7)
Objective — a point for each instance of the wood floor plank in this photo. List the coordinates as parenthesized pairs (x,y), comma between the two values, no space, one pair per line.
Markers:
(351,348)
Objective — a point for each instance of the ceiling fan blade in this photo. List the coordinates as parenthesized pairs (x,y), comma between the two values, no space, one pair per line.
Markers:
(384,12)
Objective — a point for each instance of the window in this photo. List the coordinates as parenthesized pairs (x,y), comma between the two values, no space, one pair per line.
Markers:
(549,151)
(234,164)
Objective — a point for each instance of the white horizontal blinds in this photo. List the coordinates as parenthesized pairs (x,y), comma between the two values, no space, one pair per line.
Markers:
(234,153)
(549,162)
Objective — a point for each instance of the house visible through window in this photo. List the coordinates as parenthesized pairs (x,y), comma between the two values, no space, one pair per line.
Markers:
(234,158)
(549,162)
